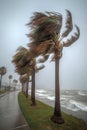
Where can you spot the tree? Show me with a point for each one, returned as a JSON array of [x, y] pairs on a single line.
[[22, 61], [21, 81], [47, 38], [2, 72], [34, 70], [15, 83], [25, 63], [10, 77], [24, 79], [22, 65]]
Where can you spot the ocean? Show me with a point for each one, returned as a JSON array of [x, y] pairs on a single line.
[[73, 102]]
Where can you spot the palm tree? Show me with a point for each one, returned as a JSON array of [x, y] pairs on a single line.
[[15, 83], [25, 63], [21, 81], [10, 77], [47, 38], [22, 65], [2, 72], [24, 79], [34, 70]]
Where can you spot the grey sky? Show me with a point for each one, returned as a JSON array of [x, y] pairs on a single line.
[[14, 14]]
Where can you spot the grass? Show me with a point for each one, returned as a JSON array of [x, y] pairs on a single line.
[[38, 117], [2, 91]]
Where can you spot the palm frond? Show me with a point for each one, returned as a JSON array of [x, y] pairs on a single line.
[[68, 24], [73, 38], [43, 59], [21, 48], [23, 70], [17, 57], [24, 78], [3, 70], [49, 49], [52, 57], [45, 30], [44, 25], [45, 34], [39, 68], [37, 19]]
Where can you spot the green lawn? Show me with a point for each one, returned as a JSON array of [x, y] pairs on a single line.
[[38, 117], [2, 91]]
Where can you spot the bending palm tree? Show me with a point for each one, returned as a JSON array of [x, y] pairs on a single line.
[[47, 38], [25, 63], [23, 67], [24, 79], [2, 72], [15, 83], [10, 77]]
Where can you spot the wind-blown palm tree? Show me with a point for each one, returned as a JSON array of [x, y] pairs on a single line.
[[25, 79], [10, 77], [25, 63], [2, 72], [15, 81], [21, 81], [35, 69], [47, 38], [22, 65]]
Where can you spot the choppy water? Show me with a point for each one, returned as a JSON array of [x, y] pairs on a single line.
[[72, 100]]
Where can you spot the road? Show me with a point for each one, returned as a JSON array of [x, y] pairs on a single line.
[[11, 117]]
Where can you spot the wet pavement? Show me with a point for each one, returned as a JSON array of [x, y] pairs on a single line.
[[11, 117]]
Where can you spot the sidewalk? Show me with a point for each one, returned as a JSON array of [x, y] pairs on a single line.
[[11, 117]]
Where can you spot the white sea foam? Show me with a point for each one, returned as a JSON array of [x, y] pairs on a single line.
[[68, 101], [51, 98], [82, 93], [70, 107], [40, 91], [74, 105], [66, 96], [79, 105], [41, 95], [63, 98]]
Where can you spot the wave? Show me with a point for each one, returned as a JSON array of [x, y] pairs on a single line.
[[82, 93], [66, 96], [40, 91], [79, 105], [41, 95], [68, 99], [51, 98], [44, 94], [74, 105], [70, 107]]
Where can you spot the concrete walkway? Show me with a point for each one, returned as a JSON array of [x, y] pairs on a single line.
[[11, 117]]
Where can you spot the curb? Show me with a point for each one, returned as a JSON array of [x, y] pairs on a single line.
[[1, 95]]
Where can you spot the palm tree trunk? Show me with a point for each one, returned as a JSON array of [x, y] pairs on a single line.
[[1, 82], [57, 110], [27, 89], [33, 89], [9, 84], [22, 86]]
